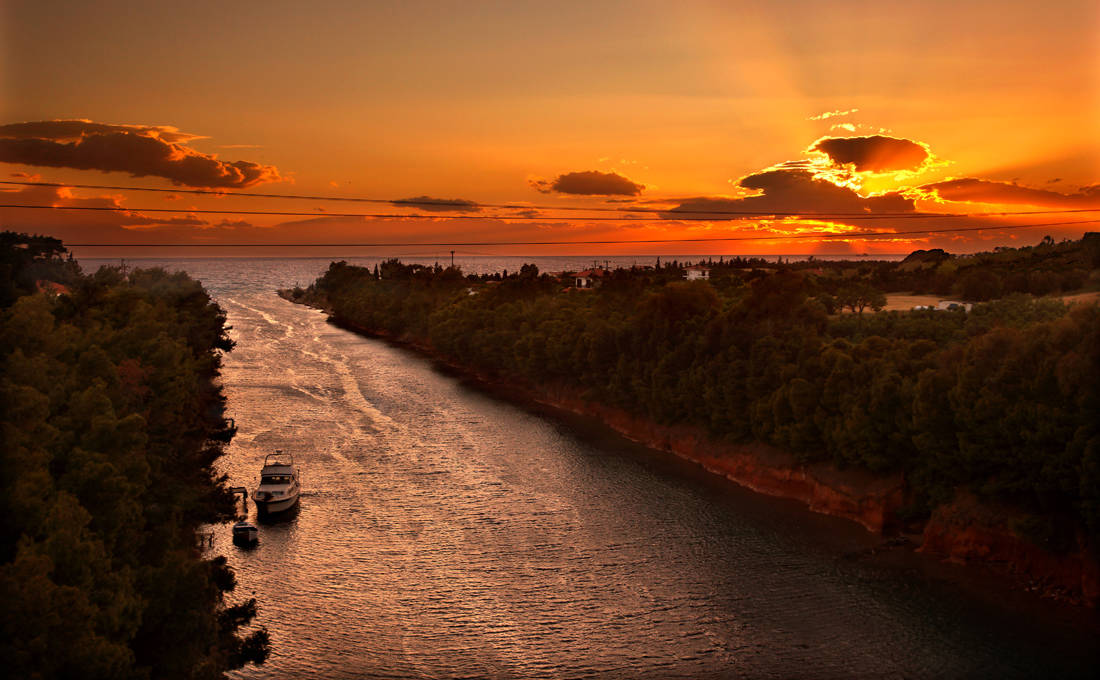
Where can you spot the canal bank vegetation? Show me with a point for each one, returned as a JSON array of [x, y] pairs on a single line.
[[999, 403], [112, 420]]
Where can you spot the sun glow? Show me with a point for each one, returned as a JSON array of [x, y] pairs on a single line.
[[749, 107]]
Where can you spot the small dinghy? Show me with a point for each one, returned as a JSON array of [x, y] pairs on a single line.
[[245, 533]]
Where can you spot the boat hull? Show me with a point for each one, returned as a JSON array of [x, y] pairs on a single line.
[[275, 506], [245, 534]]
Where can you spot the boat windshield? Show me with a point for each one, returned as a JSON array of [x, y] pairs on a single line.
[[275, 479]]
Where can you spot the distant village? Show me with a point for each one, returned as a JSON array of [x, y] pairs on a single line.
[[705, 271]]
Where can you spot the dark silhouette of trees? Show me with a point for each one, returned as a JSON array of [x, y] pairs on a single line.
[[111, 420], [1002, 399], [860, 296], [981, 285]]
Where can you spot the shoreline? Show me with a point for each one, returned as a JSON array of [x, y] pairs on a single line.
[[963, 532]]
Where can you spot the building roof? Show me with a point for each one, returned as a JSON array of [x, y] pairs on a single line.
[[52, 287]]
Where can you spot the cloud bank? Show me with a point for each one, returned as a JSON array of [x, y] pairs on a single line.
[[430, 204], [75, 129], [140, 150], [590, 183], [789, 190], [973, 190], [876, 153], [109, 220]]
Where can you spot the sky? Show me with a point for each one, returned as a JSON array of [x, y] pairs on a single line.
[[768, 123]]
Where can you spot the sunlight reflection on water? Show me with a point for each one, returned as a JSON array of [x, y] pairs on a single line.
[[444, 533]]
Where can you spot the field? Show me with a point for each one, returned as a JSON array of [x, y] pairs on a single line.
[[903, 303]]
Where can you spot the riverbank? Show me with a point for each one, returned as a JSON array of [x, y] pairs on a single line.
[[961, 534], [114, 417]]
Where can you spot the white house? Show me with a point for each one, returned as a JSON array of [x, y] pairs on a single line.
[[589, 278], [946, 305], [696, 272]]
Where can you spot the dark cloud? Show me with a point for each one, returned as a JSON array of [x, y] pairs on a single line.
[[973, 190], [876, 153], [73, 130], [140, 151], [789, 191], [590, 183], [438, 204]]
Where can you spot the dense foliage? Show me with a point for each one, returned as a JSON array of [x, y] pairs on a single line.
[[111, 423], [1003, 400], [1042, 269]]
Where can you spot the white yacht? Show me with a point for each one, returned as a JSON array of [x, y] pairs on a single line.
[[279, 487]]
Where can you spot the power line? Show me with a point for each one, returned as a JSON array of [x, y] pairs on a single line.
[[709, 239], [279, 213], [471, 205]]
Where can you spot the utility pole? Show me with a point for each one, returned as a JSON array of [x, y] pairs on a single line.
[[452, 259]]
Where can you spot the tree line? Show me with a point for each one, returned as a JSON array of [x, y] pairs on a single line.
[[1002, 400], [112, 420]]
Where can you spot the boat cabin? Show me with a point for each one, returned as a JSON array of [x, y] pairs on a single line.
[[276, 477], [279, 484]]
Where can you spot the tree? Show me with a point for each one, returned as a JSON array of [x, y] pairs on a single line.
[[860, 296], [1001, 400], [979, 285], [112, 419]]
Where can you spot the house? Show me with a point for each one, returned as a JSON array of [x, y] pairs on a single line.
[[51, 287], [590, 278], [944, 306], [950, 305], [697, 272]]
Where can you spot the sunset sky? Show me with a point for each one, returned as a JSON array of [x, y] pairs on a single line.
[[848, 107]]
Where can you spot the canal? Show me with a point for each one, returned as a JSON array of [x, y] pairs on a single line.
[[444, 532]]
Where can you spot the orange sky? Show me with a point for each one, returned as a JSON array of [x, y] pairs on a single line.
[[728, 106]]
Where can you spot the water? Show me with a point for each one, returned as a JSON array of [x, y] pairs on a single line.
[[286, 272], [446, 533]]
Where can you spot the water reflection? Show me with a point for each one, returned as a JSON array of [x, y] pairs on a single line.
[[444, 533], [287, 516]]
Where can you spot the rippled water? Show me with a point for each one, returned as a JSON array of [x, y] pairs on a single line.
[[446, 533]]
